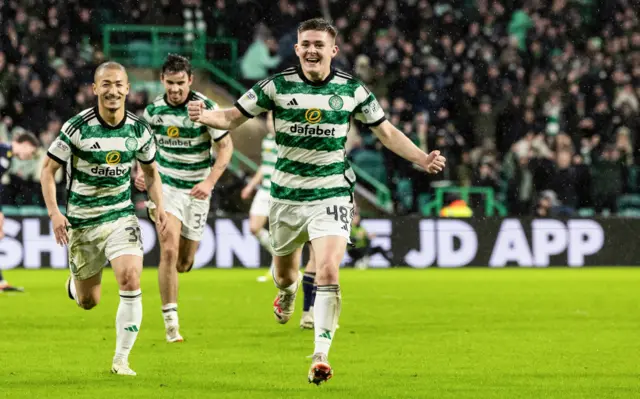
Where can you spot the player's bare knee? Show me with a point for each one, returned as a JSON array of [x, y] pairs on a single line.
[[87, 302], [185, 265], [285, 276], [327, 273], [129, 280], [169, 253]]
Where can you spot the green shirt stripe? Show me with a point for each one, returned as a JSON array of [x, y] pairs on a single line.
[[304, 195], [184, 132], [284, 86], [167, 163], [263, 100], [311, 143], [95, 201], [177, 183], [99, 132], [308, 169], [109, 216], [165, 110]]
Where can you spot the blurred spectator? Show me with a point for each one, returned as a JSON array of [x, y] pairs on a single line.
[[257, 63]]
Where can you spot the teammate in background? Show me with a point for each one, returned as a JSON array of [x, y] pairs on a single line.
[[362, 250], [259, 211], [98, 147], [23, 146], [312, 186], [184, 162]]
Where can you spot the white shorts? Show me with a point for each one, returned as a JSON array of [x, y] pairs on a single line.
[[260, 204], [291, 226], [192, 212], [90, 248]]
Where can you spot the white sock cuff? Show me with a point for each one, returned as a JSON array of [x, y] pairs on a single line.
[[170, 306], [131, 295]]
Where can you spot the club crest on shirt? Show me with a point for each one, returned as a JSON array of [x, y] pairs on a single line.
[[336, 103]]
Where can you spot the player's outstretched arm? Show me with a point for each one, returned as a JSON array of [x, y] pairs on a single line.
[[253, 183], [222, 119], [400, 144], [48, 183], [154, 188], [224, 152]]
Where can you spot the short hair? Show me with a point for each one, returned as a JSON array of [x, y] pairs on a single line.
[[108, 65], [176, 63], [27, 137], [319, 24]]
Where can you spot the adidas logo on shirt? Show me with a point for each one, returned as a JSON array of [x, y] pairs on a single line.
[[96, 146], [292, 102]]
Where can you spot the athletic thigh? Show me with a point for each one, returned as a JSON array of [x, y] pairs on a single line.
[[87, 250], [288, 227], [196, 213]]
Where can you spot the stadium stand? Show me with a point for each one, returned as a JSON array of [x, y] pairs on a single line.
[[536, 100]]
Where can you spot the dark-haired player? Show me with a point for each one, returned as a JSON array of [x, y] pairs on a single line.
[[184, 161], [312, 186]]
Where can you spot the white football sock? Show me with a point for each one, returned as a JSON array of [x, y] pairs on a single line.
[[265, 240], [170, 314], [326, 312], [72, 289], [128, 320]]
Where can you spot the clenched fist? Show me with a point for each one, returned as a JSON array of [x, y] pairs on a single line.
[[195, 110]]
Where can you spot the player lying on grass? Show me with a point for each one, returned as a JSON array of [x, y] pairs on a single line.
[[184, 162], [23, 146], [98, 148], [361, 250], [312, 186]]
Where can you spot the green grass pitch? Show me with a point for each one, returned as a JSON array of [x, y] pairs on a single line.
[[467, 333]]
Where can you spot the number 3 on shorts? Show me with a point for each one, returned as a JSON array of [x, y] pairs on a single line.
[[135, 234], [200, 218]]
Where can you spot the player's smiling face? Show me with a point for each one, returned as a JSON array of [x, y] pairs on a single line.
[[316, 49], [177, 86], [111, 87]]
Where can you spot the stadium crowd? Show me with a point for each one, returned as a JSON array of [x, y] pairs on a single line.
[[536, 99]]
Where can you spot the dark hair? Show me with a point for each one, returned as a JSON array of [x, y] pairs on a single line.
[[27, 137], [320, 24], [176, 63]]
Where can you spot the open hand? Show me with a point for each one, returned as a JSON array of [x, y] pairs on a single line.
[[202, 190]]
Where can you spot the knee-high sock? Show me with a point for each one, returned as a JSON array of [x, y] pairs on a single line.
[[307, 289], [326, 313], [128, 320]]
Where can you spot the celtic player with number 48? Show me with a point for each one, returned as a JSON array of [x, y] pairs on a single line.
[[312, 186], [184, 163], [98, 147]]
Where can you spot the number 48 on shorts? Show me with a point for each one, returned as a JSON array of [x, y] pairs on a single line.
[[341, 214]]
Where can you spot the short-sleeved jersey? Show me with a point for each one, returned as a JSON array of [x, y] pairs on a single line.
[[184, 147], [269, 158], [311, 122], [98, 159]]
